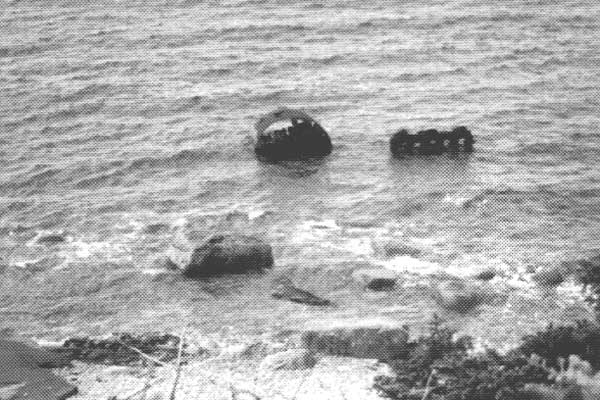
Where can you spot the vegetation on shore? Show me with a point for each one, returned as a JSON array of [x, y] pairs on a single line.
[[555, 363]]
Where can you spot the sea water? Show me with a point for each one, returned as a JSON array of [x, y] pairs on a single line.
[[127, 127]]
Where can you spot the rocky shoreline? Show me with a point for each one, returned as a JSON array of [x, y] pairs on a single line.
[[330, 360], [338, 358]]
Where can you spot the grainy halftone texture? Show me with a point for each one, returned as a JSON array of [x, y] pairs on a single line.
[[126, 141]]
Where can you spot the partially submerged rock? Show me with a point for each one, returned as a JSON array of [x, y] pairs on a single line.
[[463, 296], [23, 375], [291, 360], [360, 339], [375, 278], [431, 141], [303, 139], [284, 289], [229, 254]]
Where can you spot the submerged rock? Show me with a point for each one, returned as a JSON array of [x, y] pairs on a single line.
[[549, 277], [51, 239], [229, 254], [285, 290], [303, 139], [291, 360], [375, 278], [486, 274], [395, 248], [154, 229], [463, 296], [360, 339]]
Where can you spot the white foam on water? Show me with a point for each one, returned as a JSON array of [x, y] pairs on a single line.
[[356, 246], [26, 263], [180, 222], [155, 271], [111, 250], [456, 200], [314, 231], [254, 214], [410, 265]]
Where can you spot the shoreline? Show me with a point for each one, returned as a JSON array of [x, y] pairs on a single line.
[[266, 367]]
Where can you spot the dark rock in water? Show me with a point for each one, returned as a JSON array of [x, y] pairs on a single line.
[[285, 290], [549, 277], [375, 278], [229, 254], [23, 377], [362, 339], [432, 141], [51, 239], [304, 139], [486, 275]]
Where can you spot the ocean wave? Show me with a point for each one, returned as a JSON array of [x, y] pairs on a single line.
[[66, 141], [112, 64], [85, 93], [109, 179], [314, 6], [257, 29], [551, 63], [73, 111], [538, 200], [22, 50], [275, 95], [543, 148], [418, 76], [384, 22], [216, 72], [32, 180], [184, 158], [49, 131], [474, 19], [468, 200], [533, 50], [327, 60]]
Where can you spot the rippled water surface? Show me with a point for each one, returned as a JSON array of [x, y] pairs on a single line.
[[127, 126]]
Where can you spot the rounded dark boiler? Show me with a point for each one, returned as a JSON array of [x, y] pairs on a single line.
[[432, 141], [303, 139]]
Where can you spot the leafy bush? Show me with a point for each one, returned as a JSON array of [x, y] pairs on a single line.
[[582, 339], [588, 272], [442, 366]]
